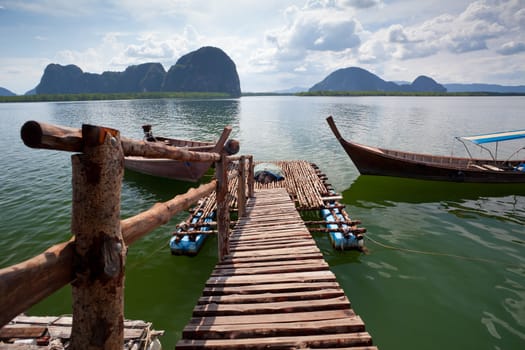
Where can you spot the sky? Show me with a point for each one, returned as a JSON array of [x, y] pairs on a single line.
[[275, 44]]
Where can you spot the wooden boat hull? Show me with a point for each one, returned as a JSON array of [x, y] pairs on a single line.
[[384, 162], [168, 168], [181, 170]]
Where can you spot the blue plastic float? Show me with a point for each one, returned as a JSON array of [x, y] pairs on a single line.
[[341, 240], [190, 244]]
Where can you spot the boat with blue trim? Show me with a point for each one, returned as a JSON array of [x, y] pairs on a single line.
[[385, 162]]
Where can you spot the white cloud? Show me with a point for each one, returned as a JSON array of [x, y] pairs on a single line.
[[512, 48], [322, 29], [315, 36], [472, 30], [117, 50], [20, 74], [372, 51], [396, 34], [276, 44]]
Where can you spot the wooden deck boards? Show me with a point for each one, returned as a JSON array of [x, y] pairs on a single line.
[[52, 332], [274, 290]]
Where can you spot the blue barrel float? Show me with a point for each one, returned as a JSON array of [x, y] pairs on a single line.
[[190, 244], [343, 236]]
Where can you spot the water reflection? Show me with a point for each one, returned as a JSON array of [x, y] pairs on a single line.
[[140, 191], [382, 190], [212, 115], [180, 118]]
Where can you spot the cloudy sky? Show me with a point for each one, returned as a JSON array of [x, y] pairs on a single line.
[[275, 44]]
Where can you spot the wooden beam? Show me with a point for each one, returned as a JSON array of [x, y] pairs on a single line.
[[359, 339], [139, 225], [48, 136], [25, 284], [273, 329]]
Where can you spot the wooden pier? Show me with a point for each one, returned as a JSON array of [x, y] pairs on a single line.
[[273, 290], [305, 184], [270, 289]]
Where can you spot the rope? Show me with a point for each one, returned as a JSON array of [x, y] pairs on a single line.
[[154, 252], [462, 257]]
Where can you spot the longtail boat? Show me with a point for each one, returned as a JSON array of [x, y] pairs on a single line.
[[385, 162], [180, 170]]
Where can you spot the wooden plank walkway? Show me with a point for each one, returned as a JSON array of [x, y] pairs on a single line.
[[274, 290]]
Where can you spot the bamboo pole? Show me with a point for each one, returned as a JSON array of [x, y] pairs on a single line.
[[100, 252], [354, 230], [323, 222]]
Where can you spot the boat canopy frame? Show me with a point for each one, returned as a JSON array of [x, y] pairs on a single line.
[[480, 140]]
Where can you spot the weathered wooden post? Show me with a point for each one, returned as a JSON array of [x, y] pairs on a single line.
[[223, 210], [241, 188], [98, 301], [251, 179]]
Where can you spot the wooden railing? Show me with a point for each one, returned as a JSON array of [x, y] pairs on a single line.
[[93, 260]]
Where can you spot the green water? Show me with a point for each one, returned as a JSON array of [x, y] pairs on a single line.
[[446, 262]]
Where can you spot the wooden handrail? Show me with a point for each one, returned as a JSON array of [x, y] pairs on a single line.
[[25, 284], [137, 226], [60, 138]]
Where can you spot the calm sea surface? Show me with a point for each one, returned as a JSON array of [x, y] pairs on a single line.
[[446, 267]]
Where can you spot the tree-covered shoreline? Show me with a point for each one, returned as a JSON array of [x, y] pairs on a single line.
[[402, 93], [217, 95], [112, 96]]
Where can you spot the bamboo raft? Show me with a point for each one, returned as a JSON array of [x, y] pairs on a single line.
[[50, 332], [303, 181], [274, 289]]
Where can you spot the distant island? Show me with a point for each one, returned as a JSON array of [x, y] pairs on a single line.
[[502, 89], [358, 79], [5, 92], [355, 80], [210, 73], [206, 70]]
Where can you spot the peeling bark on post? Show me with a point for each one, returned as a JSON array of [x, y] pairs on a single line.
[[223, 210], [98, 300]]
